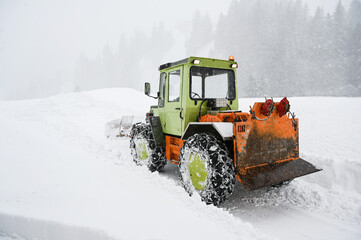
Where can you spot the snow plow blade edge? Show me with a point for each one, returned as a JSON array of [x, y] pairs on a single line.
[[119, 127], [273, 174]]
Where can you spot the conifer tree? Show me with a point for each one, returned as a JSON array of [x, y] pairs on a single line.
[[354, 47]]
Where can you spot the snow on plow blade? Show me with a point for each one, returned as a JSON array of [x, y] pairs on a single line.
[[119, 127], [273, 174]]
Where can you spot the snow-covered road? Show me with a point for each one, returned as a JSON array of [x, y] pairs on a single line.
[[61, 179]]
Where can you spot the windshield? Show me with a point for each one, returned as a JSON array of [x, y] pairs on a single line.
[[209, 83]]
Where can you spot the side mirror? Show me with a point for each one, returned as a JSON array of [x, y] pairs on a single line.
[[147, 88]]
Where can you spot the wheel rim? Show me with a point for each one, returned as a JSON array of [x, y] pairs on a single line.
[[141, 148], [197, 171]]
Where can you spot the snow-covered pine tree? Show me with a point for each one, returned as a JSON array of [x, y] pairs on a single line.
[[337, 50], [354, 47]]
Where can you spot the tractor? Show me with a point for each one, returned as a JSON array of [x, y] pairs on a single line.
[[197, 125]]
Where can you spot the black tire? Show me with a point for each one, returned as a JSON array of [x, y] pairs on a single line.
[[141, 141], [220, 179]]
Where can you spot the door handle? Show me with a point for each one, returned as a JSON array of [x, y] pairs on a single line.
[[180, 113]]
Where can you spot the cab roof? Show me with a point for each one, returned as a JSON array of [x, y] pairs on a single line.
[[191, 59]]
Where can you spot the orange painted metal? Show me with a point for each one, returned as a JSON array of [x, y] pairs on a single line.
[[226, 117], [172, 149], [259, 141], [264, 140]]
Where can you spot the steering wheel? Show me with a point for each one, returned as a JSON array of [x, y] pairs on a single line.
[[194, 94]]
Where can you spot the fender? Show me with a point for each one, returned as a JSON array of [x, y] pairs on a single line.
[[220, 129], [157, 130]]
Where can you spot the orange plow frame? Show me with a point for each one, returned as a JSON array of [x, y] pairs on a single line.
[[266, 148]]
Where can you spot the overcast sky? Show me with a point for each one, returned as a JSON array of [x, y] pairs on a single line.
[[40, 40]]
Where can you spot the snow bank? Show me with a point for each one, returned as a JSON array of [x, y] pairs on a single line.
[[60, 177], [57, 169], [31, 228]]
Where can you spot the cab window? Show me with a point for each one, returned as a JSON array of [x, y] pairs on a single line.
[[208, 83], [174, 86], [161, 90]]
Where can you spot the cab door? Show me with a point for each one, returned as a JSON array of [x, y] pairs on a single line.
[[173, 108]]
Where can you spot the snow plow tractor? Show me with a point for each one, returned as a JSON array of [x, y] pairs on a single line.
[[197, 125]]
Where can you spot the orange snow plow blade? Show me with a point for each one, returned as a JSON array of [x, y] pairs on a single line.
[[267, 150]]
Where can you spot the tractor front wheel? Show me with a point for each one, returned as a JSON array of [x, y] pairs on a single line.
[[206, 168], [144, 149]]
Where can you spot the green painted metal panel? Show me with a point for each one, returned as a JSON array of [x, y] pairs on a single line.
[[142, 149], [197, 171], [172, 113], [173, 101]]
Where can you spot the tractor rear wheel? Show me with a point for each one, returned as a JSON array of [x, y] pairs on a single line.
[[206, 168], [144, 149]]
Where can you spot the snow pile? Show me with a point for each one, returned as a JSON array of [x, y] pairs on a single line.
[[58, 169], [60, 178]]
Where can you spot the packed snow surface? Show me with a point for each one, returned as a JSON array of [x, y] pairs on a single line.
[[60, 178]]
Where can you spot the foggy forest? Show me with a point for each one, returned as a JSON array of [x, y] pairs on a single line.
[[282, 48]]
